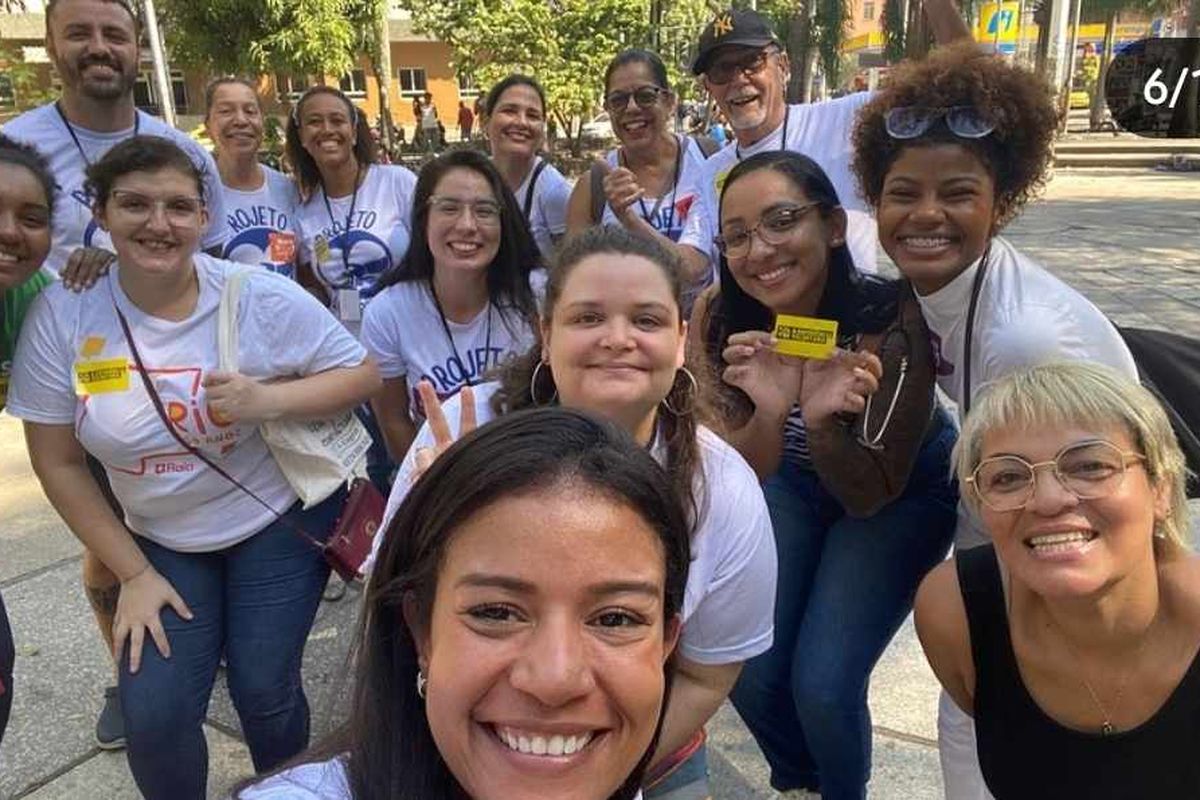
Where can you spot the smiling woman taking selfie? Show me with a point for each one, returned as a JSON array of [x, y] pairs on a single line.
[[518, 627], [1072, 639]]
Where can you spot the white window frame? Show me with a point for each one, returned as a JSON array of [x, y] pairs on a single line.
[[285, 86], [177, 79], [413, 72], [470, 91], [356, 91], [8, 97]]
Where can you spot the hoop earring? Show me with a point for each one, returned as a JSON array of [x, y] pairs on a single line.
[[666, 401], [421, 682], [537, 370]]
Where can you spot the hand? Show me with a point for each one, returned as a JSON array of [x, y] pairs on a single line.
[[235, 397], [772, 380], [138, 611], [436, 417], [621, 189], [839, 385], [84, 267]]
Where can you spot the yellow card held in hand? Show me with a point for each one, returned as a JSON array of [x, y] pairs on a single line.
[[807, 337]]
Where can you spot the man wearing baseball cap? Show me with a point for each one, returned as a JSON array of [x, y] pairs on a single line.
[[745, 69]]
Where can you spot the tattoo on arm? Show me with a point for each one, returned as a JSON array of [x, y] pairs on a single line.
[[104, 598]]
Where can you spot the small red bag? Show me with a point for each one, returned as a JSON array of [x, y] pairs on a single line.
[[355, 530]]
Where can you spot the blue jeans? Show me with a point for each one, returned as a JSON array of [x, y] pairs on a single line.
[[254, 601], [845, 586]]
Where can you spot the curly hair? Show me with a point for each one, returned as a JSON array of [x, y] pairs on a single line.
[[1017, 153]]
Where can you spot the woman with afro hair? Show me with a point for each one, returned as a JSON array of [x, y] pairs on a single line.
[[947, 155]]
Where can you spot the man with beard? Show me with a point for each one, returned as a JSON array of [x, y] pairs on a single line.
[[94, 47], [745, 70]]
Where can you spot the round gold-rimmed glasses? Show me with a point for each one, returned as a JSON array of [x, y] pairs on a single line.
[[1089, 470]]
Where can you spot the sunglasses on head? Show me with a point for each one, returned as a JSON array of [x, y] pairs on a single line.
[[909, 122], [644, 96]]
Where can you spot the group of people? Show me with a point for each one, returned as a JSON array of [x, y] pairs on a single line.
[[618, 494]]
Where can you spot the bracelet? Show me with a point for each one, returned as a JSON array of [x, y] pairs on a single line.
[[137, 574]]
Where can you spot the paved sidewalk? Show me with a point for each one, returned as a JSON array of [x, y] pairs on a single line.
[[1130, 241]]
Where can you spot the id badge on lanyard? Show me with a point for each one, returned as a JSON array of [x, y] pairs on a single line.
[[347, 304]]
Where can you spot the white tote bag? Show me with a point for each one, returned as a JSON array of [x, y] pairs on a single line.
[[316, 456]]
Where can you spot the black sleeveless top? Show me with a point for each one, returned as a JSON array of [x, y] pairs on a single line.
[[1026, 755]]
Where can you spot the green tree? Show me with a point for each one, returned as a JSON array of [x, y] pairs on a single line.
[[566, 44], [26, 86], [305, 37]]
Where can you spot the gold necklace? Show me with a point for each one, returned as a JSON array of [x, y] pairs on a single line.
[[1106, 726]]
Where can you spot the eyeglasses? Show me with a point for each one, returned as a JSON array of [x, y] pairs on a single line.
[[179, 210], [485, 212], [644, 96], [774, 228], [1088, 470], [909, 122], [722, 72]]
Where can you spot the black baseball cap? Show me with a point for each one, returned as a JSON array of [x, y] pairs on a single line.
[[734, 26]]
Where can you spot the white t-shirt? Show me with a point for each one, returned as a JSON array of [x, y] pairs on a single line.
[[547, 204], [820, 131], [729, 603], [403, 332], [669, 214], [74, 367], [73, 225], [262, 224], [376, 238], [1024, 316], [323, 780]]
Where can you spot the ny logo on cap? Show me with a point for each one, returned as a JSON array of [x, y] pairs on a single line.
[[722, 25]]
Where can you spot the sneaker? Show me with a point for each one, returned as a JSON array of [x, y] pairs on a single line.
[[110, 727]]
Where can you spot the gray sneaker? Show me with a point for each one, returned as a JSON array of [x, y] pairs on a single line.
[[110, 727]]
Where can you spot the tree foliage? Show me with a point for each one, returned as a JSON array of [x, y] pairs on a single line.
[[27, 87], [304, 37], [565, 44]]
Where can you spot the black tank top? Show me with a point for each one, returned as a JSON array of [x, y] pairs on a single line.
[[1026, 755]]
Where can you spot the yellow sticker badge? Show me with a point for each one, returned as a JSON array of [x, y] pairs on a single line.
[[807, 337], [103, 376], [92, 346], [321, 249]]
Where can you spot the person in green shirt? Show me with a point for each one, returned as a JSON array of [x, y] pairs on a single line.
[[26, 198]]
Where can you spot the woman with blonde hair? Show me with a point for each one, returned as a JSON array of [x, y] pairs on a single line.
[[1072, 639]]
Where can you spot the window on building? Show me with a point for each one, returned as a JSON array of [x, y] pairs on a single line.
[[145, 96], [291, 86], [8, 94], [466, 87], [868, 10], [412, 81], [354, 83]]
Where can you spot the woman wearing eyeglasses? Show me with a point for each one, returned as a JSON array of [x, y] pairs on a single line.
[[461, 302], [1072, 638], [650, 183], [128, 373], [514, 123], [853, 450], [948, 154]]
